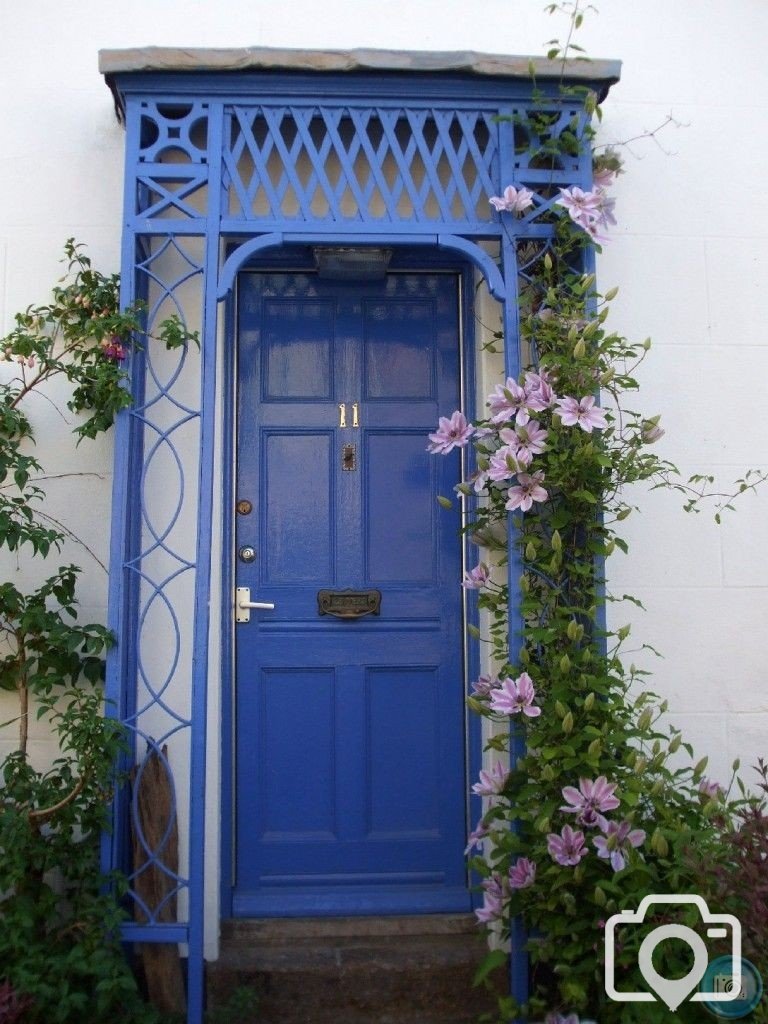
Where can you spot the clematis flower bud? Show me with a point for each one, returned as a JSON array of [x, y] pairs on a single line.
[[651, 431]]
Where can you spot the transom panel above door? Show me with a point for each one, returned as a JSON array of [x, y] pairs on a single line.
[[349, 707]]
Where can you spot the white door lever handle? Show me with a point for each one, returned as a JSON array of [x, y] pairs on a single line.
[[244, 604]]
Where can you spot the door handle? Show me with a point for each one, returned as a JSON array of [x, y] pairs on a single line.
[[244, 604]]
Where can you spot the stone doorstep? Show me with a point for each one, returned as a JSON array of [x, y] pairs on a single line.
[[354, 970], [288, 929]]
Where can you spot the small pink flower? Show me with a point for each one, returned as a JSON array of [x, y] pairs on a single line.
[[514, 200], [113, 349], [590, 800], [539, 389], [558, 1018], [710, 789], [582, 412], [603, 178], [508, 401], [479, 480], [567, 848], [523, 874], [475, 838], [581, 206], [527, 490], [476, 578], [504, 463], [483, 685], [590, 210], [451, 433], [530, 439], [493, 782], [514, 696], [623, 837], [493, 899]]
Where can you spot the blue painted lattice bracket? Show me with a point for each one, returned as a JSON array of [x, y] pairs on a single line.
[[254, 162]]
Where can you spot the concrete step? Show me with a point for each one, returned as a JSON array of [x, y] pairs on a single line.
[[353, 970]]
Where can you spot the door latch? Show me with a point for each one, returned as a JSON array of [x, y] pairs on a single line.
[[244, 604]]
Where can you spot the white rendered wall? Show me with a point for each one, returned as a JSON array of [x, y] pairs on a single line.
[[690, 254]]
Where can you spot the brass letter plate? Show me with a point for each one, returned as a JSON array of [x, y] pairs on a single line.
[[349, 604]]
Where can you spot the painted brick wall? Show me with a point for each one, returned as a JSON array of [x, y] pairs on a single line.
[[690, 254]]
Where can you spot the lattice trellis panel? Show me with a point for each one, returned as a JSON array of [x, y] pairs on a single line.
[[336, 164]]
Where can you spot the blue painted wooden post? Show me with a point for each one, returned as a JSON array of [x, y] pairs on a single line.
[[512, 366]]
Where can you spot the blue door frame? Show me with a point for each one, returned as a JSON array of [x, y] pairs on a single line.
[[404, 260]]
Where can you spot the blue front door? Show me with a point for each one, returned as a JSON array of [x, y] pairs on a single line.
[[350, 770]]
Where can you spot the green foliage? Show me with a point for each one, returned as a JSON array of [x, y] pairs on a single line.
[[59, 942], [60, 950], [241, 1008], [45, 648]]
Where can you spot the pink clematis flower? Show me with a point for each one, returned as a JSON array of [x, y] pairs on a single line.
[[539, 389], [493, 898], [492, 783], [508, 401], [475, 838], [567, 848], [617, 842], [504, 463], [451, 433], [710, 789], [523, 874], [605, 209], [558, 1018], [581, 412], [476, 578], [603, 178], [590, 210], [514, 200], [590, 800], [582, 206], [483, 685], [478, 480], [530, 440], [514, 696], [527, 490]]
